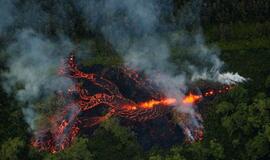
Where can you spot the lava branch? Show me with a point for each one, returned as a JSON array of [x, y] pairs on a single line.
[[65, 126]]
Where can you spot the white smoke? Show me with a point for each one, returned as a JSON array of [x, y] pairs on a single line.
[[230, 78], [6, 14], [171, 54], [137, 31], [167, 50], [33, 58], [30, 116], [32, 70]]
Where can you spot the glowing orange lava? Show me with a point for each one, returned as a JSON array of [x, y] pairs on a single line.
[[65, 125], [150, 104], [191, 98], [188, 99]]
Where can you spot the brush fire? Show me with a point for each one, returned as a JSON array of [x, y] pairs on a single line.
[[125, 93]]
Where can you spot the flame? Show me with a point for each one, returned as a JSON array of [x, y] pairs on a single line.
[[65, 125], [191, 98], [150, 104], [188, 99]]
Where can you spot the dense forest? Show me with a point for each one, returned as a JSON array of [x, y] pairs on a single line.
[[236, 124]]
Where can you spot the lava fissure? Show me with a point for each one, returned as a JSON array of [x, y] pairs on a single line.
[[65, 126]]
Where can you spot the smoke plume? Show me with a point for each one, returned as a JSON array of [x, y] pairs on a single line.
[[6, 12], [147, 41], [32, 69], [171, 51]]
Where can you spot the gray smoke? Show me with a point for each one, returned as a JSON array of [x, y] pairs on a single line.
[[33, 58], [33, 62], [6, 14], [121, 21], [170, 51]]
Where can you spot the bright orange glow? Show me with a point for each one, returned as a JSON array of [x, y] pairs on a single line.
[[65, 125], [191, 98], [150, 104], [188, 99]]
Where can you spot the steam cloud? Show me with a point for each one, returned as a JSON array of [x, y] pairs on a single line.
[[32, 64], [138, 32], [6, 8], [142, 32]]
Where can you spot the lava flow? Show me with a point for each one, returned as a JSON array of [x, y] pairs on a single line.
[[66, 125]]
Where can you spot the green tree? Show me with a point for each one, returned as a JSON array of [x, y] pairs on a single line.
[[78, 151], [12, 149], [112, 141], [267, 85], [240, 125]]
